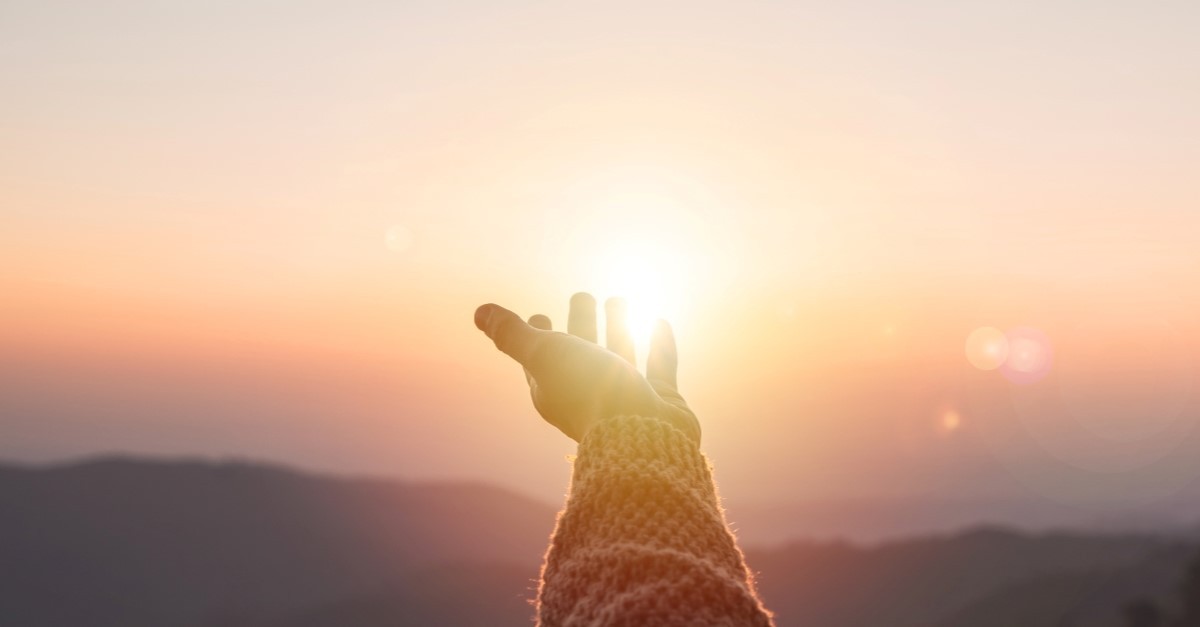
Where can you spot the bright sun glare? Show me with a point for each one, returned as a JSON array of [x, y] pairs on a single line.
[[648, 235], [652, 281]]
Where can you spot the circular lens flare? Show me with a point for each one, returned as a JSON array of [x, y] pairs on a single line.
[[987, 348], [1029, 356], [951, 421]]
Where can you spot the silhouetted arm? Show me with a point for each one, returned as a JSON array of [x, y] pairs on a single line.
[[643, 539]]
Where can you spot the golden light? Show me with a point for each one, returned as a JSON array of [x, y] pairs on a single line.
[[951, 421], [648, 233], [651, 279], [987, 348], [398, 238]]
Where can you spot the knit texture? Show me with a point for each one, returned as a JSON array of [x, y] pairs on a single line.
[[642, 539]]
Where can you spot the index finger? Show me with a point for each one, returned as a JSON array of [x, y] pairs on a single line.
[[512, 335]]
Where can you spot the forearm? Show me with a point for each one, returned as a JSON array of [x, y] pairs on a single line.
[[643, 539]]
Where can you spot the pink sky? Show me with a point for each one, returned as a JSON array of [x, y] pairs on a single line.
[[258, 230]]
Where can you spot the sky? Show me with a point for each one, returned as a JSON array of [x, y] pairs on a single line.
[[260, 229]]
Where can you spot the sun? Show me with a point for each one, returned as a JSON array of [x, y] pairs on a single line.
[[651, 278], [651, 236]]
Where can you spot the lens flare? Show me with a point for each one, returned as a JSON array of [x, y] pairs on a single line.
[[951, 421], [987, 348], [1029, 356], [654, 280]]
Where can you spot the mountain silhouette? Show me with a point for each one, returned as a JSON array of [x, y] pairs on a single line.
[[191, 543], [128, 542], [943, 580]]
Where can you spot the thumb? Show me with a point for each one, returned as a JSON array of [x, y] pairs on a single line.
[[509, 332]]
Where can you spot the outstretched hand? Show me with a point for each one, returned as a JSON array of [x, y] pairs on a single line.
[[575, 383]]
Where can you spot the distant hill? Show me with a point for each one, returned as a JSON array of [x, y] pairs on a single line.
[[868, 520], [190, 544], [126, 542], [1085, 597], [950, 580]]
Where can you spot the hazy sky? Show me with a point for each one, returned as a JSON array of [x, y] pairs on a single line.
[[260, 229]]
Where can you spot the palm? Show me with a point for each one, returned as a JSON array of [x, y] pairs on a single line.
[[575, 383]]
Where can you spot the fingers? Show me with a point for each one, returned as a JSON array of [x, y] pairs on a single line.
[[511, 334], [537, 321], [663, 361], [616, 332], [581, 322]]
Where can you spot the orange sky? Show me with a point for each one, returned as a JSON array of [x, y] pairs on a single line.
[[260, 230]]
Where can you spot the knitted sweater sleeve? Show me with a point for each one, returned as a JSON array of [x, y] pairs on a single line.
[[643, 539]]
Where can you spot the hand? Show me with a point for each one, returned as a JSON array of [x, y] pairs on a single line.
[[575, 383]]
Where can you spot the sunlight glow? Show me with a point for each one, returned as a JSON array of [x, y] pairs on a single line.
[[651, 280], [648, 232], [951, 421], [987, 348], [1023, 354], [398, 238], [1029, 355]]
